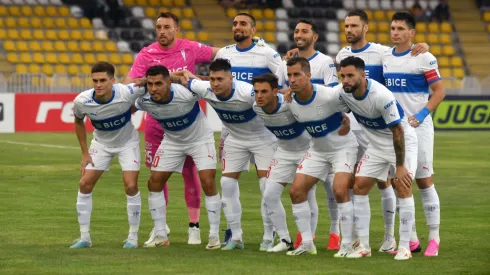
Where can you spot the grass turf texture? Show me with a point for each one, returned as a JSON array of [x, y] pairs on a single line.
[[39, 223]]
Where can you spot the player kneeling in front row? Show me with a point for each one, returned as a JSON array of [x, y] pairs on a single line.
[[392, 149], [108, 106], [187, 133]]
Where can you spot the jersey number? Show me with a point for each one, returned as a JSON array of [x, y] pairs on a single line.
[[156, 160]]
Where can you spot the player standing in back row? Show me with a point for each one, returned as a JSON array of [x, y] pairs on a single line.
[[108, 106], [410, 78]]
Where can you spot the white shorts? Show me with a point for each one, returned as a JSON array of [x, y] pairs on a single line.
[[284, 164], [320, 164], [381, 165], [425, 157], [237, 154], [171, 157], [128, 156], [362, 141]]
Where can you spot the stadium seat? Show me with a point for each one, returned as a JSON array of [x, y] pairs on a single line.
[[72, 23], [281, 14], [48, 23], [179, 3], [102, 57], [421, 27], [13, 34], [270, 37], [332, 37], [383, 38], [73, 69], [257, 14], [349, 4], [138, 12], [446, 27], [47, 46], [270, 26], [34, 69], [203, 36], [35, 46], [448, 50], [51, 11], [64, 11], [436, 50], [72, 46], [85, 46], [39, 11], [77, 58], [231, 12], [115, 58], [433, 38], [190, 35], [151, 12], [458, 73], [14, 10], [89, 58], [98, 46], [374, 4], [3, 34], [51, 58], [50, 34], [433, 27], [38, 58], [23, 22], [123, 70], [21, 46], [13, 58], [88, 35], [110, 46], [259, 26], [380, 15], [188, 13], [127, 58], [25, 58], [35, 22], [369, 36], [10, 22], [21, 69], [486, 16], [445, 38], [186, 24], [59, 46], [361, 4], [60, 69], [419, 38], [332, 26], [457, 62], [177, 12], [3, 10], [47, 69], [384, 27], [443, 62], [64, 35]]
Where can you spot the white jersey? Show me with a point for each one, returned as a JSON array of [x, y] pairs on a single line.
[[376, 112], [181, 117], [321, 118], [250, 62], [236, 112], [322, 70], [112, 119], [409, 78], [290, 133]]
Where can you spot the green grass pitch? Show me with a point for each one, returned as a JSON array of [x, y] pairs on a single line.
[[38, 219]]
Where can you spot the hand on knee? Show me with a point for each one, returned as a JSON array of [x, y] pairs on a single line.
[[403, 191]]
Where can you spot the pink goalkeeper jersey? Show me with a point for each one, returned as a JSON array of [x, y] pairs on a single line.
[[184, 55]]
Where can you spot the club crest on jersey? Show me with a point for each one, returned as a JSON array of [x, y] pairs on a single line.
[[183, 54], [319, 110]]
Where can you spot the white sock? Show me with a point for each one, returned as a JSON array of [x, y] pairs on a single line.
[[84, 209], [213, 206], [333, 209], [355, 236], [432, 211], [362, 218], [231, 206], [311, 197], [413, 233], [346, 210], [407, 214], [275, 209], [134, 214], [388, 205], [158, 211], [302, 216], [268, 226]]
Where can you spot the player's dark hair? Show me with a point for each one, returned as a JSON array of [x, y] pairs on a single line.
[[406, 17], [169, 15], [269, 78], [252, 19], [104, 67], [357, 62], [362, 14], [158, 70], [305, 64], [314, 27], [220, 64]]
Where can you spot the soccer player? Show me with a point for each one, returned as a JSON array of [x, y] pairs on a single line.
[[323, 72], [108, 107], [233, 102], [314, 106], [409, 78], [356, 27], [392, 149], [187, 133], [175, 54]]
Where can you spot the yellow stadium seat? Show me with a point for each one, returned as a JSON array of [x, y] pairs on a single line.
[[102, 57], [34, 69], [270, 26], [47, 46], [162, 9], [259, 34], [51, 58], [89, 58], [433, 38], [85, 23], [269, 14], [3, 34], [64, 11], [341, 26], [2, 23], [23, 22], [446, 27], [14, 10], [61, 22], [88, 35], [21, 46], [380, 15], [9, 46], [76, 81], [186, 24], [458, 73], [76, 58], [456, 61], [127, 58], [180, 3], [72, 23], [188, 13], [13, 34], [12, 58], [60, 69], [47, 69], [35, 22], [257, 14], [10, 22], [72, 46], [110, 46], [369, 36], [85, 46], [60, 46], [167, 3], [35, 46], [445, 38], [369, 14], [48, 23], [26, 34], [129, 2], [151, 12], [115, 59], [180, 35], [153, 2], [421, 27], [26, 10], [270, 37], [51, 35], [73, 69], [433, 27], [51, 11], [21, 69], [448, 50], [203, 36], [389, 14], [64, 35], [344, 40], [123, 70], [384, 26], [3, 11], [190, 35], [98, 46], [259, 26], [39, 11], [486, 16], [38, 58], [177, 12], [141, 3], [76, 35], [231, 12], [373, 26], [25, 58], [383, 38], [435, 50], [443, 61]]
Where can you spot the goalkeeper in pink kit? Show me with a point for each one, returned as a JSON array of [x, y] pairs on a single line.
[[177, 55]]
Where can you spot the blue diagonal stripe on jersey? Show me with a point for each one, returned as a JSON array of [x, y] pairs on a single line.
[[235, 117], [375, 72], [181, 122], [112, 123], [378, 123], [406, 83], [321, 128], [287, 132]]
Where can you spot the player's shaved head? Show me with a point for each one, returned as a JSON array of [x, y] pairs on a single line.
[[158, 70], [266, 78], [104, 67], [303, 62]]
